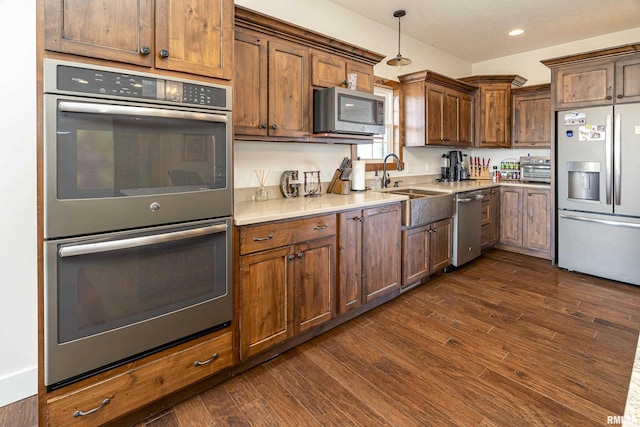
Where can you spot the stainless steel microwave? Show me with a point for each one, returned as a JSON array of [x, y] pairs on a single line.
[[345, 111]]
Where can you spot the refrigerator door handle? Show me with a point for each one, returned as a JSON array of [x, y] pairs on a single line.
[[601, 221], [607, 160], [617, 173]]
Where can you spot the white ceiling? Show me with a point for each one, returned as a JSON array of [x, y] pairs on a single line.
[[476, 30]]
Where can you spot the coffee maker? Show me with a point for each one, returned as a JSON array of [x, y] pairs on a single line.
[[456, 169]]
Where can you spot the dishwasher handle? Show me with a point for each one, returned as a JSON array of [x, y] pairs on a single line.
[[470, 199]]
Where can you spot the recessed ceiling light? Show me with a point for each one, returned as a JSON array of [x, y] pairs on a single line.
[[516, 32]]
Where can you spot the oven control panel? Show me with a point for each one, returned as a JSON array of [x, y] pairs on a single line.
[[117, 84]]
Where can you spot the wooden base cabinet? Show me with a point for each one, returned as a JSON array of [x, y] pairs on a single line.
[[369, 255], [286, 281], [525, 219], [425, 250], [144, 32], [490, 223], [111, 397]]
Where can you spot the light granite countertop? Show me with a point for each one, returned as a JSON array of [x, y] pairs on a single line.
[[252, 212]]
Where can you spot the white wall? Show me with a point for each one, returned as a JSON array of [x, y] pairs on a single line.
[[528, 64], [18, 285]]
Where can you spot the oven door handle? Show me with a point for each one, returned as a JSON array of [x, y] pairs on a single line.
[[126, 110], [134, 242]]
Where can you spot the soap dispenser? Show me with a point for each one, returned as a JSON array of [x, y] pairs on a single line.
[[376, 182]]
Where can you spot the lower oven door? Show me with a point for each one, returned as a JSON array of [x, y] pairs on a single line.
[[113, 297]]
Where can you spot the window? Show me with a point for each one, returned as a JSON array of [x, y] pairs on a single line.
[[382, 144]]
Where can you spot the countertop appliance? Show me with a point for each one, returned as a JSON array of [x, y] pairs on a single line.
[[456, 169], [466, 227], [138, 199], [346, 111], [597, 191], [535, 169]]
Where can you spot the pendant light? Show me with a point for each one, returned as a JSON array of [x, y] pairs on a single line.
[[399, 61]]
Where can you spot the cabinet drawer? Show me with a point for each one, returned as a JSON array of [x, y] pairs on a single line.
[[121, 394], [254, 238]]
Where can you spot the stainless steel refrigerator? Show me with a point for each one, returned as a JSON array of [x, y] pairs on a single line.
[[598, 191]]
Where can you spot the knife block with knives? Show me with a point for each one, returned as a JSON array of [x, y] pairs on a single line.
[[341, 183]]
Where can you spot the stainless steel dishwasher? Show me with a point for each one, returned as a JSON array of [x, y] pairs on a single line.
[[466, 227]]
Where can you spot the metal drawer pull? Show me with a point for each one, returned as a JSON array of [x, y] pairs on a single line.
[[206, 362], [320, 227], [262, 239], [82, 414]]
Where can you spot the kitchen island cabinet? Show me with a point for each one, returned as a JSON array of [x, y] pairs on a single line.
[[141, 32], [525, 218], [369, 255], [286, 280], [425, 250]]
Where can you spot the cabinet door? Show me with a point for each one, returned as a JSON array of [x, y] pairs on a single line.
[[451, 117], [288, 90], [250, 113], [364, 73], [381, 251], [511, 215], [440, 245], [117, 30], [314, 282], [465, 121], [349, 260], [628, 80], [495, 116], [537, 212], [435, 115], [532, 120], [415, 254], [265, 300], [195, 36], [328, 70], [494, 216], [585, 85]]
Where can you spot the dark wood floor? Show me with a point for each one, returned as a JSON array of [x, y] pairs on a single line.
[[507, 340]]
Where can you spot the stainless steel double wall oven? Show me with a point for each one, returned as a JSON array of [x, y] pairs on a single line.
[[137, 215]]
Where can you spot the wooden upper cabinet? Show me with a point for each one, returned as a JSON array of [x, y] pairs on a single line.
[[493, 109], [585, 85], [332, 70], [628, 80], [117, 30], [195, 36], [604, 77], [437, 110], [191, 37], [531, 116], [250, 107]]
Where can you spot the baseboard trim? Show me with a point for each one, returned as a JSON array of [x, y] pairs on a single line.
[[18, 386]]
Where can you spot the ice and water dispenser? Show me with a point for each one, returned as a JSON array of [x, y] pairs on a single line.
[[584, 180]]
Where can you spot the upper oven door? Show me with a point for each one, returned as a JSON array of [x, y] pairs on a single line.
[[112, 165]]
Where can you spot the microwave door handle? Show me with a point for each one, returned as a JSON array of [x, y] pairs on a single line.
[[134, 242], [126, 110]]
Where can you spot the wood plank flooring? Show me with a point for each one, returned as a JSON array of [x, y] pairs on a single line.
[[507, 340]]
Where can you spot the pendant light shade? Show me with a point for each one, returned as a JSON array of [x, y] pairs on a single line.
[[399, 61]]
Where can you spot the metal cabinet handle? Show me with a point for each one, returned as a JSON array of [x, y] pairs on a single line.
[[274, 126], [292, 257], [320, 227], [263, 125], [145, 50], [164, 53], [609, 97], [262, 239], [82, 414], [620, 96], [300, 255], [206, 362]]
